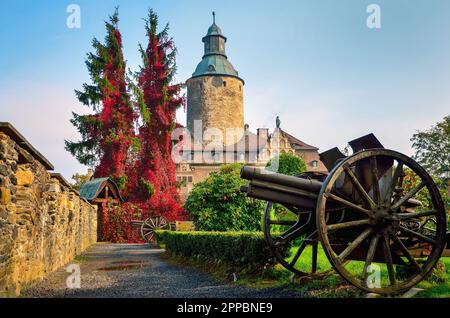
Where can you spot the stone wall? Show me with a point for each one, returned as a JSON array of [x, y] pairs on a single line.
[[43, 221], [219, 102]]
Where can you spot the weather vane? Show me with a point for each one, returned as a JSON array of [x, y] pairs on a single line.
[[214, 17]]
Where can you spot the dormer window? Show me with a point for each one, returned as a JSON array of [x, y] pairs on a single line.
[[211, 68]]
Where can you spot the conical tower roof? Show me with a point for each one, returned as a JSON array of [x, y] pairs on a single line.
[[215, 61]]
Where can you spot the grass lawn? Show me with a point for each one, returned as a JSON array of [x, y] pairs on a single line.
[[328, 286], [332, 285], [435, 290]]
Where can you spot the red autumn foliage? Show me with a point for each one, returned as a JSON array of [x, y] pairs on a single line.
[[117, 116], [118, 224], [108, 133], [145, 173], [152, 180]]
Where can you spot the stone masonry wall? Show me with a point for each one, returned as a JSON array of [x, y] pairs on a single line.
[[219, 102], [43, 223]]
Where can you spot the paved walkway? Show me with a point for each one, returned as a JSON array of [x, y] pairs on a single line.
[[135, 270]]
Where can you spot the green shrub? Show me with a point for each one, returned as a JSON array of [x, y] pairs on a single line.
[[287, 164], [242, 251], [217, 204], [291, 165]]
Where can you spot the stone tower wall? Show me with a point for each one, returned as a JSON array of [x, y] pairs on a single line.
[[218, 101], [43, 222]]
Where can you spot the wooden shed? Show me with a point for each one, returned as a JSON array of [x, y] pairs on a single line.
[[103, 192]]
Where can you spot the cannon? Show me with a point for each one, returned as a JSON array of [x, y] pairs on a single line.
[[377, 216]]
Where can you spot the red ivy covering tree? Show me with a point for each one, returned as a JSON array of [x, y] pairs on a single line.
[[108, 133], [141, 164], [152, 181]]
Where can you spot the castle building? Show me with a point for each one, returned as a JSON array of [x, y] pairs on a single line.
[[215, 106], [215, 92]]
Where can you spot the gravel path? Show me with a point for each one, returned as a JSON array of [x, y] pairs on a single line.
[[135, 270]]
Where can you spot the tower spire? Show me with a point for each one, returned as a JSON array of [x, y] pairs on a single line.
[[214, 60]]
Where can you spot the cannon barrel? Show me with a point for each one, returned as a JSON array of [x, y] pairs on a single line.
[[256, 174], [280, 188]]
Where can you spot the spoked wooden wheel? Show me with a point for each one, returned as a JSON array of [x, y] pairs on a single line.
[[151, 224], [396, 229], [293, 239]]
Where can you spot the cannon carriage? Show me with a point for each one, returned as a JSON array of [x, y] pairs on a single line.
[[378, 217]]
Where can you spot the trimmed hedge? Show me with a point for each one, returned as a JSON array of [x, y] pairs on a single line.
[[240, 250]]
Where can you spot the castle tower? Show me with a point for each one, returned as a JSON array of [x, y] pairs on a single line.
[[215, 91]]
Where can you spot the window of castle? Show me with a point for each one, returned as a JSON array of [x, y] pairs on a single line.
[[184, 179]]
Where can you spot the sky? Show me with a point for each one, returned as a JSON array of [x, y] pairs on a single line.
[[315, 63]]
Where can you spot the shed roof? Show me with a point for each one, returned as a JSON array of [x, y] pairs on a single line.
[[91, 189], [15, 135]]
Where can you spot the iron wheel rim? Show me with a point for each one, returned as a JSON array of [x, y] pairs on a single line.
[[275, 251], [441, 225]]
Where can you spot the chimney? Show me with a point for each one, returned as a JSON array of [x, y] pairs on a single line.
[[262, 140], [263, 133]]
